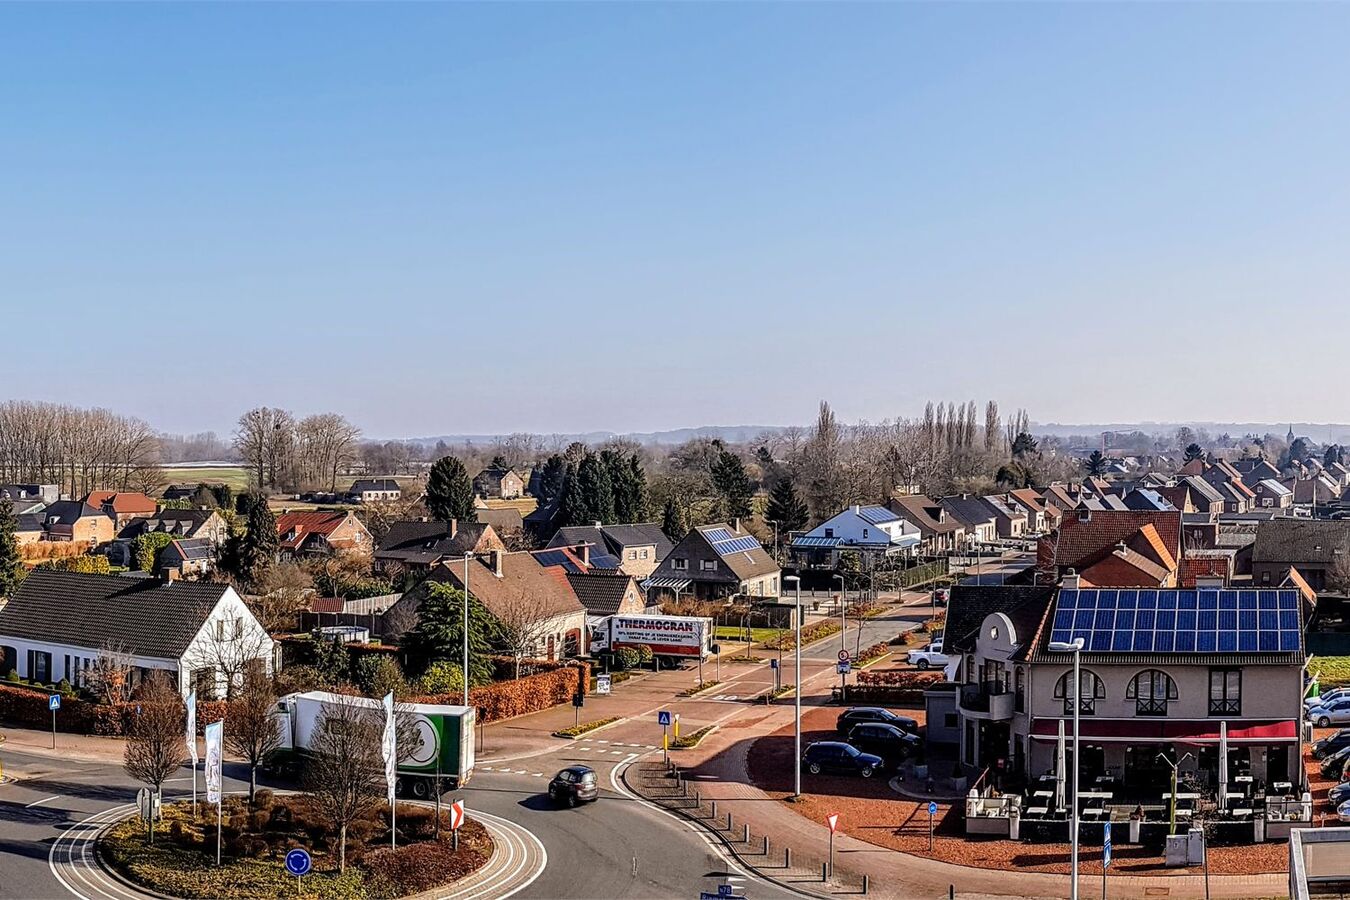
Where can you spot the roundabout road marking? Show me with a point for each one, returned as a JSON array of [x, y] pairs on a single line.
[[518, 859]]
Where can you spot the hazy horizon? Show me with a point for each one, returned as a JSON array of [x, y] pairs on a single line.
[[569, 218]]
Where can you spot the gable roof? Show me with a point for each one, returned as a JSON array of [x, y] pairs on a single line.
[[192, 549], [1028, 499], [1320, 542], [150, 617], [969, 510], [361, 485], [173, 521], [1085, 538], [602, 593], [1203, 488], [524, 585], [970, 604], [501, 518], [925, 513], [65, 512], [1271, 486], [615, 538], [425, 543], [306, 523], [123, 503], [1146, 498]]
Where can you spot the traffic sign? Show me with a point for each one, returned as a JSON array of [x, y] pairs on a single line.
[[773, 664], [1106, 846], [663, 717], [602, 684], [724, 890], [705, 895], [932, 807], [147, 804], [832, 820], [298, 862], [54, 702], [843, 656], [456, 815], [843, 668]]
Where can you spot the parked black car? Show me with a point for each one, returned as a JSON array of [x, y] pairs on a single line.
[[860, 714], [881, 739], [1333, 766], [841, 758], [573, 785], [1331, 743]]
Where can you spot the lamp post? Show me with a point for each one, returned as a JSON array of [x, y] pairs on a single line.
[[797, 697], [843, 622], [1075, 647], [1172, 827], [464, 671]]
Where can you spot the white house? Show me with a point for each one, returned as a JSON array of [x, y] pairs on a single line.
[[56, 625], [871, 530]]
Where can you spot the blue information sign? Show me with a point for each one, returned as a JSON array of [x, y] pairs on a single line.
[[773, 664], [54, 702], [663, 717], [298, 862], [1106, 845], [932, 807]]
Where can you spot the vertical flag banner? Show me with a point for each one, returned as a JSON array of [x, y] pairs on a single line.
[[214, 739], [387, 746], [191, 735]]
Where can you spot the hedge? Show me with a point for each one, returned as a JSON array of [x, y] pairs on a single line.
[[810, 634], [531, 693], [900, 678], [27, 707]]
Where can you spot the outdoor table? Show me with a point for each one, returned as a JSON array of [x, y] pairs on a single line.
[[1185, 813], [1234, 795], [1181, 796], [1242, 812], [1043, 793], [1093, 813], [1246, 779], [1037, 810], [1283, 787], [1095, 795]]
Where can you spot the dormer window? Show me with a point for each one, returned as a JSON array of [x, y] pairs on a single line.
[[866, 533], [829, 532]]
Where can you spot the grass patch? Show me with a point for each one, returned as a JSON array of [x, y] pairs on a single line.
[[735, 634], [744, 658], [774, 693], [585, 727], [181, 863], [692, 739], [699, 688], [1332, 671]]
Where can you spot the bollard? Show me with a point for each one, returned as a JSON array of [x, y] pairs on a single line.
[[866, 881], [745, 839], [713, 814], [728, 823], [766, 845], [787, 857], [824, 871]]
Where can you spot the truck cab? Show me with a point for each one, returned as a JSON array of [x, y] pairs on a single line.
[[930, 657]]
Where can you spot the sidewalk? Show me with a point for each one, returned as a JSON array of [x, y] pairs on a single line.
[[717, 770], [68, 746]]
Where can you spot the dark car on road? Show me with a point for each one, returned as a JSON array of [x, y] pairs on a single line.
[[840, 758], [1331, 743], [860, 714], [573, 785], [880, 739]]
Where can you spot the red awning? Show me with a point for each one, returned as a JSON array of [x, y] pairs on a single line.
[[1184, 731]]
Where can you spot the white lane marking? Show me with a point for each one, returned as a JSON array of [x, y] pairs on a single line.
[[42, 801]]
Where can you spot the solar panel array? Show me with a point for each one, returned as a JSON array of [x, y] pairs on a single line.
[[725, 541], [1179, 621]]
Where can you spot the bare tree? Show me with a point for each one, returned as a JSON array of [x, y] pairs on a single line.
[[110, 675], [326, 446], [283, 591], [253, 733], [526, 619], [345, 774], [155, 747], [228, 649]]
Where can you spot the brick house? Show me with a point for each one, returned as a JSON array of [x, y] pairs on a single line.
[[319, 531], [499, 483]]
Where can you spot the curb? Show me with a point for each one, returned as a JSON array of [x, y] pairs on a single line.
[[694, 746], [707, 686], [588, 732]]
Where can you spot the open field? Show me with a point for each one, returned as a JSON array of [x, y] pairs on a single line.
[[235, 476]]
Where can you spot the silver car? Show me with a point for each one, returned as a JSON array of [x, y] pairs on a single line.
[[1334, 712], [1326, 697]]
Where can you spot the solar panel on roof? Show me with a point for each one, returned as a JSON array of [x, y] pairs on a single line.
[[734, 544], [718, 534], [1179, 621]]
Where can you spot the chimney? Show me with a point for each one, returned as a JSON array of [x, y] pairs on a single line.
[[597, 526], [422, 519], [172, 574], [856, 509], [584, 551], [1209, 581], [495, 558], [1070, 580], [452, 528], [736, 525]]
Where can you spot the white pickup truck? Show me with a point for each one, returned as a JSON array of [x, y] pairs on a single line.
[[930, 657]]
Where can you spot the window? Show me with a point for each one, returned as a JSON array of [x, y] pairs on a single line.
[[220, 629], [708, 565], [1090, 690], [632, 554], [644, 552], [1019, 699], [829, 532], [970, 668], [865, 534], [1225, 692], [681, 564], [1150, 690]]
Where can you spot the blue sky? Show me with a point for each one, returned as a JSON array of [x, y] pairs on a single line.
[[478, 218]]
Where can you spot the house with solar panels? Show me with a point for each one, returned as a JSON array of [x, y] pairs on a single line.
[[1166, 675], [715, 562], [871, 531]]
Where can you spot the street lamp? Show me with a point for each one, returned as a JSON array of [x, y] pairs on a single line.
[[1075, 647], [1172, 827], [464, 671], [843, 623], [797, 697]]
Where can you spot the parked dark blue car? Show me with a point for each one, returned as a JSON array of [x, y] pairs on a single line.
[[841, 759]]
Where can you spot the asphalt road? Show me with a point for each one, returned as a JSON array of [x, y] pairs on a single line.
[[616, 847]]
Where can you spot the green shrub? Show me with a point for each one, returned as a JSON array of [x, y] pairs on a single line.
[[377, 675], [13, 675], [628, 658], [442, 677], [645, 654], [584, 727]]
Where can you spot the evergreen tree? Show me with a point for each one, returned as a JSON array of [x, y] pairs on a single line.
[[573, 508], [1334, 454], [1096, 463], [439, 633], [629, 484], [552, 478], [1194, 452], [673, 521], [12, 569], [732, 482], [499, 462], [258, 547], [450, 491], [786, 511], [1023, 445], [596, 487]]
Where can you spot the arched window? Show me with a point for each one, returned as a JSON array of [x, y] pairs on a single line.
[[1150, 690], [1090, 690]]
